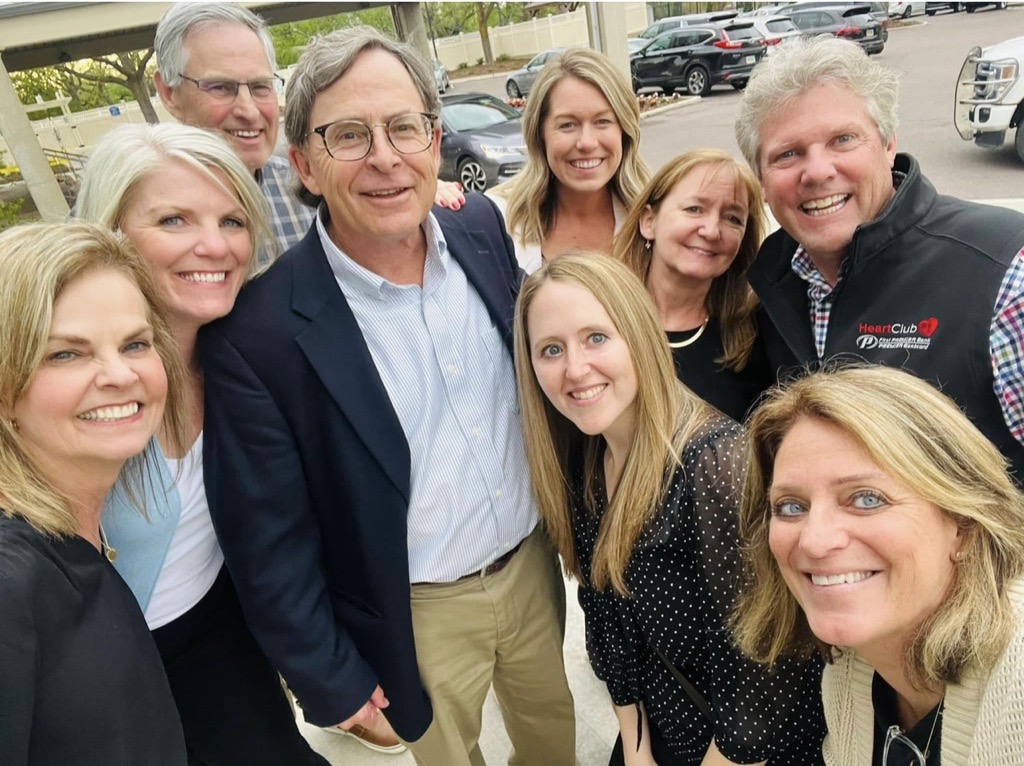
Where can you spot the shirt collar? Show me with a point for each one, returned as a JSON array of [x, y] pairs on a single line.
[[358, 278]]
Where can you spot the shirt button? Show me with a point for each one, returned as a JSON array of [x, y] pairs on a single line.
[[452, 369], [499, 494], [476, 432]]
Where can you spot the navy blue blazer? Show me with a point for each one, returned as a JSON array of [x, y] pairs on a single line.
[[307, 474]]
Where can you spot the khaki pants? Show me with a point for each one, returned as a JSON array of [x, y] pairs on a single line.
[[507, 630]]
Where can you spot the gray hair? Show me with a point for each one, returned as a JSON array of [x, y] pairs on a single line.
[[798, 65], [182, 18], [129, 153], [325, 60]]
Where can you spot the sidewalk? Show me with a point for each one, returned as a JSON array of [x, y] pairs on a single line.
[[596, 727]]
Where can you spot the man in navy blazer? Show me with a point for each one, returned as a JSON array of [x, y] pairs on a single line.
[[363, 453]]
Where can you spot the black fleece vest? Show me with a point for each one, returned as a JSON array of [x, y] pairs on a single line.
[[920, 286]]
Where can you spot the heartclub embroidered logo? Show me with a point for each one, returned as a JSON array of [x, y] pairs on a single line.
[[913, 336]]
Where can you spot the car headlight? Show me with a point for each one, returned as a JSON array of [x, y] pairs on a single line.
[[497, 152], [998, 76]]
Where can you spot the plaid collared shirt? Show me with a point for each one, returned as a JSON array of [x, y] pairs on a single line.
[[291, 219], [1006, 337]]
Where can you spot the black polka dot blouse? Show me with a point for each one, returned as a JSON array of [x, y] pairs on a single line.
[[682, 579]]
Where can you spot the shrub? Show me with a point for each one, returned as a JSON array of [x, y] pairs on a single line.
[[10, 213]]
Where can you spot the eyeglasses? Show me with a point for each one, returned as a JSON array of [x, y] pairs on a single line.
[[265, 89], [895, 734], [350, 140]]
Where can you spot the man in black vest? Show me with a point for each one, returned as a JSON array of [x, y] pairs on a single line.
[[871, 263]]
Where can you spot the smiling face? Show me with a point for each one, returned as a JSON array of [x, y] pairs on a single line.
[[697, 229], [193, 235], [581, 361], [582, 136], [825, 169], [98, 396], [227, 52], [867, 560], [380, 201]]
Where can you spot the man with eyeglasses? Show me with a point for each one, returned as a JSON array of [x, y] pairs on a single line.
[[215, 70], [364, 454]]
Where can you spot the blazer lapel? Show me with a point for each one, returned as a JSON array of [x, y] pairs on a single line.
[[334, 346]]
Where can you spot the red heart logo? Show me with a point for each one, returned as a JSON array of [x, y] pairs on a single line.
[[928, 326]]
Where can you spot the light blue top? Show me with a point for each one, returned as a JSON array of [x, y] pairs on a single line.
[[142, 543]]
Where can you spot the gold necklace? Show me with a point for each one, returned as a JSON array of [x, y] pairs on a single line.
[[935, 721], [109, 552], [693, 339]]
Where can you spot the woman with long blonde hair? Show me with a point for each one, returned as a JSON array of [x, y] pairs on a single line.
[[635, 479], [582, 132]]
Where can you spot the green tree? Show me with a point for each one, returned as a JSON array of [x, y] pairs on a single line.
[[128, 70], [289, 39]]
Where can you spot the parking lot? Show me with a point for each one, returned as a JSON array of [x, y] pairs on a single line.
[[928, 56]]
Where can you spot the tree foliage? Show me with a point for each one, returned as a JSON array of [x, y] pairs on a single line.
[[289, 39], [46, 82], [448, 19]]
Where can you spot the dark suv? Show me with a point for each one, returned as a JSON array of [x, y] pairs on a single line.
[[847, 22], [695, 58]]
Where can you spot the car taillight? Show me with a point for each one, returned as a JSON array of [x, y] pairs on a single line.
[[728, 45], [848, 32]]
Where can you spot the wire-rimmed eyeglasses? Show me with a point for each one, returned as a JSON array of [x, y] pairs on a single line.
[[895, 734], [351, 140], [264, 89]]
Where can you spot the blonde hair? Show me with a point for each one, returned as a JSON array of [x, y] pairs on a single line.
[[37, 262], [667, 414], [531, 194], [128, 154], [920, 438], [730, 300]]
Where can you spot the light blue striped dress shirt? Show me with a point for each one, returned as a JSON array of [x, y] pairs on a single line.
[[451, 382]]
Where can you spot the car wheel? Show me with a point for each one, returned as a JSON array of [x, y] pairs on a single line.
[[956, 7], [698, 81], [1018, 142], [970, 8], [1001, 6], [906, 13], [739, 84], [932, 13], [513, 90], [472, 175]]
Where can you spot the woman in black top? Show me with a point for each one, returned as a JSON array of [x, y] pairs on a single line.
[[690, 236], [635, 479], [89, 373]]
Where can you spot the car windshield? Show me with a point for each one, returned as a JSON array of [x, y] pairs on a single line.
[[781, 25], [475, 115]]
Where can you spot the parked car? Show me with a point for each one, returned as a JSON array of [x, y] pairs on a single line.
[[847, 22], [972, 7], [441, 77], [878, 11], [520, 81], [904, 10], [775, 29], [696, 58], [990, 96], [931, 9], [662, 26], [633, 44], [481, 140]]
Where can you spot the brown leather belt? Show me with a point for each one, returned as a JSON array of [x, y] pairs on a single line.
[[495, 566]]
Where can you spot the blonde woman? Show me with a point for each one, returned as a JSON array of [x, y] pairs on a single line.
[[89, 374], [691, 235], [883, 530], [582, 132], [635, 479], [196, 216]]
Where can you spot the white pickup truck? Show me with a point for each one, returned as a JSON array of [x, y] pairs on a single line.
[[990, 95]]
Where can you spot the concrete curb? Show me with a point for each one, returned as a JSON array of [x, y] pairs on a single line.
[[687, 101]]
